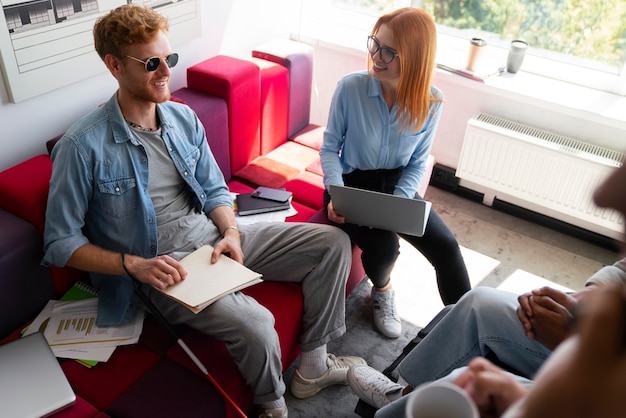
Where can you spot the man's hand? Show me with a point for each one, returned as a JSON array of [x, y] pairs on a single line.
[[491, 388], [229, 245], [161, 272], [546, 315]]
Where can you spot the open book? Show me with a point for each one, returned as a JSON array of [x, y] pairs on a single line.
[[205, 282]]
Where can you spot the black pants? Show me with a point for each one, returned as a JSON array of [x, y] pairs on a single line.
[[380, 249]]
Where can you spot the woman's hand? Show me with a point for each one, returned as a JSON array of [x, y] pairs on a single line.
[[334, 216]]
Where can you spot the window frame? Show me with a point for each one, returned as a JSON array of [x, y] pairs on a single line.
[[320, 21]]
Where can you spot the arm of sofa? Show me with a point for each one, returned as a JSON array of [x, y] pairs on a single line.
[[24, 189]]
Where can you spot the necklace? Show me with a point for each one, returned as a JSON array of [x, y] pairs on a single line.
[[141, 128]]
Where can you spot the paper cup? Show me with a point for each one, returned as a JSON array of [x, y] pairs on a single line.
[[477, 46], [440, 400]]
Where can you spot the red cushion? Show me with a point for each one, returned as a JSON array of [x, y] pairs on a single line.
[[303, 215], [307, 188], [24, 189], [238, 82], [285, 301], [105, 382], [267, 172], [169, 390], [274, 104], [218, 362], [80, 409]]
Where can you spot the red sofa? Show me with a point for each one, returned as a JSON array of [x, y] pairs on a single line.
[[257, 125]]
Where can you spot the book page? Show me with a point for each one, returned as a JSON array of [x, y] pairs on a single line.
[[206, 282]]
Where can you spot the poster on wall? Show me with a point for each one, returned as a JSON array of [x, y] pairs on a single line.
[[48, 44]]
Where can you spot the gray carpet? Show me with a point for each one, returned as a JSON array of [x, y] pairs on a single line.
[[360, 339]]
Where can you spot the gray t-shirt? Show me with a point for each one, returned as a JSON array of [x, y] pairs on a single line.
[[181, 228]]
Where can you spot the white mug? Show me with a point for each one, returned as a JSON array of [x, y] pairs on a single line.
[[442, 400]]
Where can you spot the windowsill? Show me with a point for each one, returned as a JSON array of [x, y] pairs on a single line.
[[572, 99]]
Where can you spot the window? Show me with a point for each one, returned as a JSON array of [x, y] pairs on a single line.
[[578, 41]]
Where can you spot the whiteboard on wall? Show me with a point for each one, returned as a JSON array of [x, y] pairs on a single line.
[[45, 44]]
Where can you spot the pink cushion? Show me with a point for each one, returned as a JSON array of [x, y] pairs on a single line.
[[238, 82], [312, 136], [298, 58], [213, 114]]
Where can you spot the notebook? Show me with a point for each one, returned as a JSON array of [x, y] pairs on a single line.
[[31, 380], [250, 205], [381, 210]]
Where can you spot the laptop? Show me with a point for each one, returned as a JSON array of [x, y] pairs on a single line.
[[32, 383], [381, 210]]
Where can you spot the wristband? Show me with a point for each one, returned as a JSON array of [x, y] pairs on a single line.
[[124, 265], [229, 227]]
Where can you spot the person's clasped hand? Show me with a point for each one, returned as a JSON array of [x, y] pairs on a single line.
[[586, 375]]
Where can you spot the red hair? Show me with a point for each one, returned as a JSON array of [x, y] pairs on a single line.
[[415, 37]]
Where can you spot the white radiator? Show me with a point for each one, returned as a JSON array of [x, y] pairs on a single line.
[[540, 171]]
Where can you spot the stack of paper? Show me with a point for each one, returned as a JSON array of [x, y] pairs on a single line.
[[71, 332]]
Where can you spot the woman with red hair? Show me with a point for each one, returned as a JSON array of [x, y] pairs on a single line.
[[380, 130]]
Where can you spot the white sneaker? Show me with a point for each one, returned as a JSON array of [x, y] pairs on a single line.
[[386, 317], [275, 413], [336, 374], [373, 387]]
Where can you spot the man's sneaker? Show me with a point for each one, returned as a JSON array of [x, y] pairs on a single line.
[[373, 387], [274, 413], [337, 374], [386, 317]]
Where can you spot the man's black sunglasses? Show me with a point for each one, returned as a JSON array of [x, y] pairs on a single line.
[[153, 63]]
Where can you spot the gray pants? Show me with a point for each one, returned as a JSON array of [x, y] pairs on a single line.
[[316, 256]]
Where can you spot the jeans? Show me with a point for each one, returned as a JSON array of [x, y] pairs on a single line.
[[484, 322]]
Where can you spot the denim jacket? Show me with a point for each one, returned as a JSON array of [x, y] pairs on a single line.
[[99, 193]]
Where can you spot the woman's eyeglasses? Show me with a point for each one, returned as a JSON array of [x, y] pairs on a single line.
[[386, 54], [153, 63]]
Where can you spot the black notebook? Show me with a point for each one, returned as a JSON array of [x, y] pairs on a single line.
[[249, 205]]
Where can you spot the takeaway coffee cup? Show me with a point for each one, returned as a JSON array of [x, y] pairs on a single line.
[[517, 51], [477, 45], [442, 400]]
